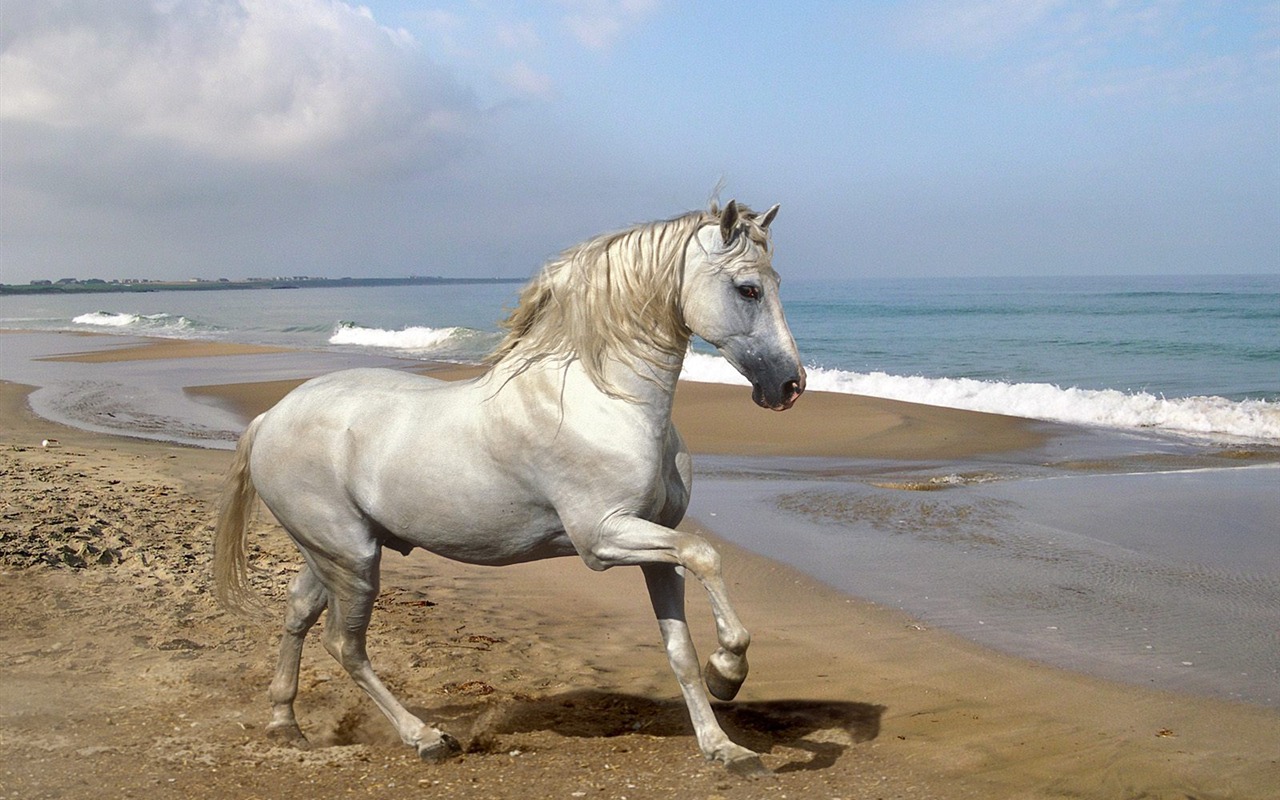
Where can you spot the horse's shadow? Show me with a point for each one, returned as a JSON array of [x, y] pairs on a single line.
[[822, 728]]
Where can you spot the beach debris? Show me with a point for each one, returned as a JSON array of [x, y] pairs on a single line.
[[179, 644], [938, 482], [82, 554], [1165, 733], [473, 687], [49, 443]]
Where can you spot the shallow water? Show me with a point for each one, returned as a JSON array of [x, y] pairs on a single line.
[[1169, 580], [146, 398]]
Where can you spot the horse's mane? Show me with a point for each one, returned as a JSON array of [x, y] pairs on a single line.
[[615, 296]]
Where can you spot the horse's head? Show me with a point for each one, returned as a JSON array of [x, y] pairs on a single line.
[[730, 298]]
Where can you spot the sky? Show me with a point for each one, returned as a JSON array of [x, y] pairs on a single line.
[[178, 139]]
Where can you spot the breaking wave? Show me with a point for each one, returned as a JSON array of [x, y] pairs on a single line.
[[455, 343], [1206, 416], [142, 324]]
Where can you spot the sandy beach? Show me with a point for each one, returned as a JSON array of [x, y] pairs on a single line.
[[120, 677]]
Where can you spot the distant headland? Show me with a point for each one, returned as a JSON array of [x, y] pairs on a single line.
[[100, 286]]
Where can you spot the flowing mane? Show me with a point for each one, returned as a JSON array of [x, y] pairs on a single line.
[[616, 296]]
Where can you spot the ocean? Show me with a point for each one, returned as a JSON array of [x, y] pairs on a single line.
[[1141, 546], [1187, 355]]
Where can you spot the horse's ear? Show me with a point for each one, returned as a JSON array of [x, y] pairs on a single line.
[[768, 216], [728, 220]]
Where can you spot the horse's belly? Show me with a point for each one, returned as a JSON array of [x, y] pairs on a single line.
[[493, 548], [490, 532], [507, 551]]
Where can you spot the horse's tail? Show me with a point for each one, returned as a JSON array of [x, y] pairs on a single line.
[[230, 558]]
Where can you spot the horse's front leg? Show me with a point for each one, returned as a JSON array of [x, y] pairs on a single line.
[[625, 539], [726, 668], [666, 591], [629, 540]]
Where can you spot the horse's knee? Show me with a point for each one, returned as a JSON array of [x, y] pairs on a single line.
[[699, 557], [297, 626], [598, 559]]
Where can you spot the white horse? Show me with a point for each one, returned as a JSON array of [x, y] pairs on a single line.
[[564, 447]]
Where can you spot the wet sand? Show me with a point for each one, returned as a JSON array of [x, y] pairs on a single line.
[[120, 675], [156, 349]]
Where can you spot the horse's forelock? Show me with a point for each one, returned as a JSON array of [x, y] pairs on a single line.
[[748, 233], [750, 227]]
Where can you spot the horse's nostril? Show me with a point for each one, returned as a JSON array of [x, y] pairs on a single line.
[[792, 388]]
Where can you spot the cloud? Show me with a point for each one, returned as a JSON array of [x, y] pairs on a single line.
[[256, 81], [162, 138], [528, 82], [1158, 50], [518, 35], [597, 24], [975, 27]]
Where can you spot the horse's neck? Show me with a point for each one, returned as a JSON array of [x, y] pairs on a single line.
[[647, 383], [640, 384]]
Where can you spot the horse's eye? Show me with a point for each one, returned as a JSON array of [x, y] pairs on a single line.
[[749, 291]]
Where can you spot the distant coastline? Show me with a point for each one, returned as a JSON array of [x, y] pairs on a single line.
[[98, 286]]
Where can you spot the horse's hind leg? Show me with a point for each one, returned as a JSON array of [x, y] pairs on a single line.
[[352, 590], [307, 598]]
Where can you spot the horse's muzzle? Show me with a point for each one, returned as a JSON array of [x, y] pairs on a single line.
[[782, 397]]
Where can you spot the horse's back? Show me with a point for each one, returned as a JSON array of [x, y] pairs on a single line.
[[352, 384], [314, 433], [348, 395]]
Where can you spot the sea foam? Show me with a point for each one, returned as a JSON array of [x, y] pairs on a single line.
[[453, 342], [147, 324], [1207, 416]]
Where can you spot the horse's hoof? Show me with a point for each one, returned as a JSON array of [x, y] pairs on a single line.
[[444, 748], [749, 767], [288, 734], [724, 675]]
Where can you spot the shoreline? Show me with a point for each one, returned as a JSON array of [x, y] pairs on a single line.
[[939, 512], [716, 419], [846, 698]]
